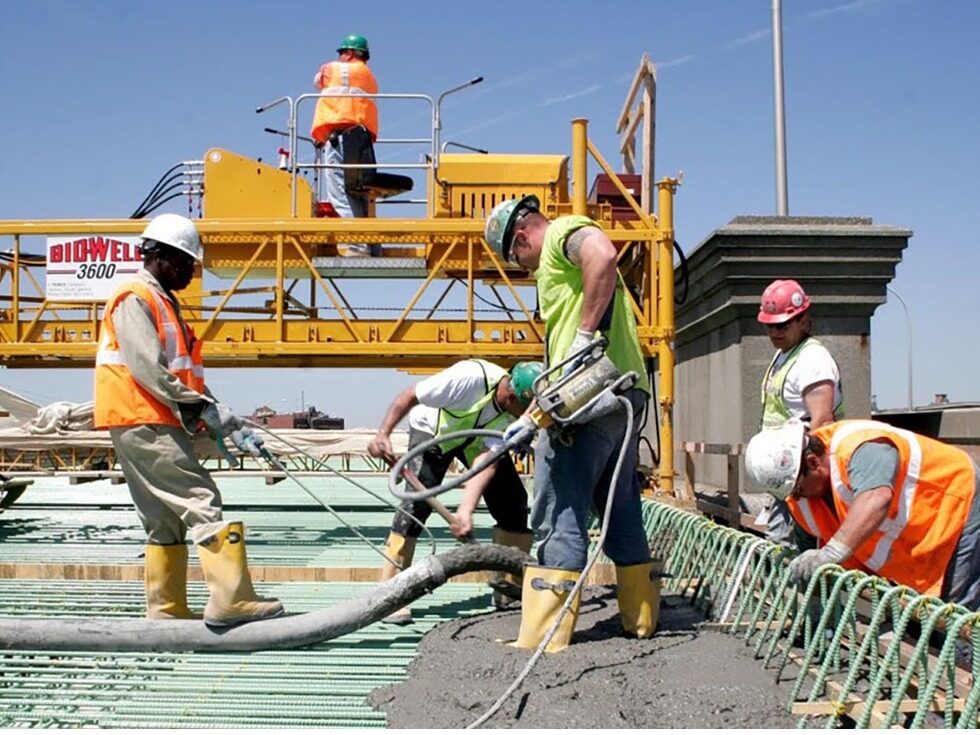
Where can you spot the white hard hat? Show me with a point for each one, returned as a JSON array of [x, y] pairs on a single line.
[[177, 232], [773, 456]]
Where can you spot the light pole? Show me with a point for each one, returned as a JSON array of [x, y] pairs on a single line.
[[782, 188], [908, 324]]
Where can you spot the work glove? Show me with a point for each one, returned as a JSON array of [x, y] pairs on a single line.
[[248, 441], [380, 447], [520, 433], [220, 420], [806, 564], [583, 338]]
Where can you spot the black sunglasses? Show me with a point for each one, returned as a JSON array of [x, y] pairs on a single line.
[[783, 325]]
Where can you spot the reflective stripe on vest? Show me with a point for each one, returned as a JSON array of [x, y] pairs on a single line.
[[353, 80], [119, 399], [891, 527], [469, 418], [806, 518], [931, 500], [774, 409]]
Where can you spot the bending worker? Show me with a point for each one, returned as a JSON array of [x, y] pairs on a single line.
[[345, 114], [471, 394], [901, 505], [150, 394], [580, 294], [802, 381]]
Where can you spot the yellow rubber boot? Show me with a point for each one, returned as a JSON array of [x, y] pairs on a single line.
[[545, 591], [400, 549], [638, 593], [233, 600], [520, 541], [165, 573]]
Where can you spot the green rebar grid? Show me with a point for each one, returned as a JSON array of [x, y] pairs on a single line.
[[878, 643]]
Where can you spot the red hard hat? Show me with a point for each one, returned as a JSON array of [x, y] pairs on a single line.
[[781, 301]]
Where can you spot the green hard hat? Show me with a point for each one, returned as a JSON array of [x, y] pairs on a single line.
[[522, 377], [354, 42], [499, 229]]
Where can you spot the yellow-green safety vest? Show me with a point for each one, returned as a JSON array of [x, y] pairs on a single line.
[[774, 409], [451, 420], [560, 295]]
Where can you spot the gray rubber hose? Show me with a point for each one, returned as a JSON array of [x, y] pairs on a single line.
[[290, 631]]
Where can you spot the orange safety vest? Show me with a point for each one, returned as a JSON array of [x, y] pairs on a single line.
[[350, 78], [119, 399], [933, 493]]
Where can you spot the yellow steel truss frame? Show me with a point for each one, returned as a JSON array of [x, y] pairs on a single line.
[[241, 330]]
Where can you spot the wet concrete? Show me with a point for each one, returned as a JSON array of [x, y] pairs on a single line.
[[684, 677]]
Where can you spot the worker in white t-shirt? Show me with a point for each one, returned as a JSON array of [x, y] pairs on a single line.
[[803, 380], [471, 394]]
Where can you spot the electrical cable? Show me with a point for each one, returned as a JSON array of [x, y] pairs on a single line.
[[269, 457], [582, 577]]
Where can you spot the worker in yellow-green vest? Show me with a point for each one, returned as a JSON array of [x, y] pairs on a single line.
[[581, 296], [470, 394], [802, 381]]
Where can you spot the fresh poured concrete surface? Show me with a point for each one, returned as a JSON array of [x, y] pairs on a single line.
[[683, 677]]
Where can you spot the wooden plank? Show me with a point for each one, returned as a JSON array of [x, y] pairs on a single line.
[[712, 448], [648, 106], [645, 68], [854, 707], [601, 574], [718, 510]]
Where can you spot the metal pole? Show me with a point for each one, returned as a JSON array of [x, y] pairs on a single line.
[[908, 324], [665, 321], [782, 192], [580, 165]]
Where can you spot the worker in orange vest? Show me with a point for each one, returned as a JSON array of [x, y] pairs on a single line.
[[904, 506], [340, 120], [150, 394]]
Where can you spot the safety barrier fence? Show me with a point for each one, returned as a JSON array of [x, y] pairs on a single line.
[[867, 652]]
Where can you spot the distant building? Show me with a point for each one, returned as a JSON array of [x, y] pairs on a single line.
[[308, 419]]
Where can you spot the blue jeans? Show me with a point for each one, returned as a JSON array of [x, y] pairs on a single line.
[[962, 580], [569, 480], [347, 205]]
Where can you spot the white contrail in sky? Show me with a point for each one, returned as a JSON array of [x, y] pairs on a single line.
[[565, 97], [749, 38], [673, 62], [851, 7]]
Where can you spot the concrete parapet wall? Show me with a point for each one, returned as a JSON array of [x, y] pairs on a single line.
[[722, 351]]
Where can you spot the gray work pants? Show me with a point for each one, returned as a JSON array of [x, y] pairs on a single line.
[[171, 490]]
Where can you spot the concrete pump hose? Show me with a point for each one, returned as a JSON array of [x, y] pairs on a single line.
[[290, 631], [396, 471]]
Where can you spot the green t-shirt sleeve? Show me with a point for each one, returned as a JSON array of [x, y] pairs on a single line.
[[873, 464]]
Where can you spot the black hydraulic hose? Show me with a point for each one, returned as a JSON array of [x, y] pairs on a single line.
[[156, 187], [157, 203], [682, 278], [290, 631], [654, 455], [174, 183]]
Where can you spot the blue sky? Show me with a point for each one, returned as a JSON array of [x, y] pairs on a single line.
[[100, 98]]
